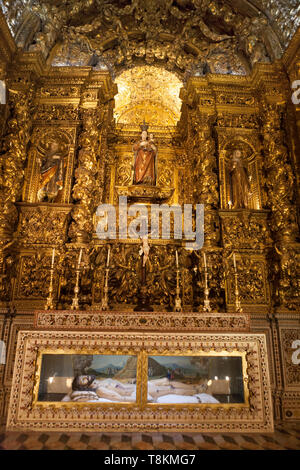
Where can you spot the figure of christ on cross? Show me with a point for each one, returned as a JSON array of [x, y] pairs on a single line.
[[143, 299]]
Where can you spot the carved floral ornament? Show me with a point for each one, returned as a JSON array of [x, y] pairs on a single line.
[[193, 35]]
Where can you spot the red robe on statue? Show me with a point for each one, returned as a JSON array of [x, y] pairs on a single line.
[[144, 166]]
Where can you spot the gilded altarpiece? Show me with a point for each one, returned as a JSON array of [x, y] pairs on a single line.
[[250, 243]]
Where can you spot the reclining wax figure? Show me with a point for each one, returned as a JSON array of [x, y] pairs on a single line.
[[85, 388]]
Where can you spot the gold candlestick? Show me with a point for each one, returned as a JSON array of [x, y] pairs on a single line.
[[49, 304], [79, 258], [177, 306], [206, 306], [238, 307], [104, 303], [75, 303]]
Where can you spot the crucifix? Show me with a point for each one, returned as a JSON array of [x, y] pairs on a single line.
[[143, 299]]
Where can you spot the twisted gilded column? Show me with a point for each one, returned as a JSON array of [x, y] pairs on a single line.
[[279, 176], [13, 155], [206, 191], [95, 116], [85, 190], [280, 183]]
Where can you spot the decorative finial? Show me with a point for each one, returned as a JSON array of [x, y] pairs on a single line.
[[144, 126]]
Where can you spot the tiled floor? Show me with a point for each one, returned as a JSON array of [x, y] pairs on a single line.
[[284, 437]]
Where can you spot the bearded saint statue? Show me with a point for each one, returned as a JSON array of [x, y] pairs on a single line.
[[145, 152], [51, 174]]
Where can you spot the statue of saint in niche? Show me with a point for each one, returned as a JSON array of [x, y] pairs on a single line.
[[145, 152], [240, 182], [52, 174]]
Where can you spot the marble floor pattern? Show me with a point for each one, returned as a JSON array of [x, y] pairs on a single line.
[[285, 437]]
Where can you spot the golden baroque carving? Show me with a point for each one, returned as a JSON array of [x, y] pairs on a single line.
[[124, 170], [124, 275], [280, 183], [49, 112], [248, 121], [7, 272], [252, 281], [279, 175], [168, 321], [205, 175], [285, 269], [14, 146], [42, 224], [291, 369], [8, 220], [58, 91], [34, 276], [86, 190], [245, 230]]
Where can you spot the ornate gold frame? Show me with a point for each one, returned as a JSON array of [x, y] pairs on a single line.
[[254, 415], [200, 353], [35, 401], [141, 379]]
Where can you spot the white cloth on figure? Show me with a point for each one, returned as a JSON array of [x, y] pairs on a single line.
[[177, 399], [206, 398], [199, 398], [85, 397]]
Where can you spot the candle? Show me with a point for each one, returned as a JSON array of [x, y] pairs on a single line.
[[108, 255], [234, 261], [204, 257], [230, 204], [176, 259], [79, 258], [53, 254]]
